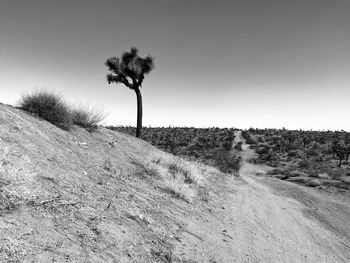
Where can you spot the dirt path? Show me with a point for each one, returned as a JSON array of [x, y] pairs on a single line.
[[251, 222]]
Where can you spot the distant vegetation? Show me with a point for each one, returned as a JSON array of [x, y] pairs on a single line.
[[212, 146], [303, 155], [130, 70], [53, 108]]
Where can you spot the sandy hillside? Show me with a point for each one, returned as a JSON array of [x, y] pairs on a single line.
[[108, 197], [90, 197]]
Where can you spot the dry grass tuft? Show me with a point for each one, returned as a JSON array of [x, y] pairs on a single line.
[[180, 168], [144, 169], [180, 190], [184, 179], [88, 116]]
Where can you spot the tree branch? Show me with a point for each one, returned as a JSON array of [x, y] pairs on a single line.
[[119, 79]]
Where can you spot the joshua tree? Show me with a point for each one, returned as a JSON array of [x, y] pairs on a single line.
[[130, 70]]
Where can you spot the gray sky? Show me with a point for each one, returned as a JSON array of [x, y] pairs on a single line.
[[259, 63]]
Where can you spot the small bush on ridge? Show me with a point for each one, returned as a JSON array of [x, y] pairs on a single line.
[[49, 106], [88, 117]]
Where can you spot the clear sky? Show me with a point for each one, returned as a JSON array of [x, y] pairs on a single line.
[[247, 63]]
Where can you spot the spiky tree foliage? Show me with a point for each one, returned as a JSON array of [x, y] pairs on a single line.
[[130, 69]]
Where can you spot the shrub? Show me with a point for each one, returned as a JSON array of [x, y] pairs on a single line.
[[88, 117], [304, 164], [49, 106], [227, 162], [292, 153], [232, 163], [248, 137], [264, 150], [271, 156], [312, 152], [238, 146], [335, 173], [260, 139], [275, 171]]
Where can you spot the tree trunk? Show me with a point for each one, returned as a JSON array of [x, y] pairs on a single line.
[[339, 164], [139, 112]]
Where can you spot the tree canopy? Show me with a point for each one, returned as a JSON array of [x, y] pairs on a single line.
[[130, 69]]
